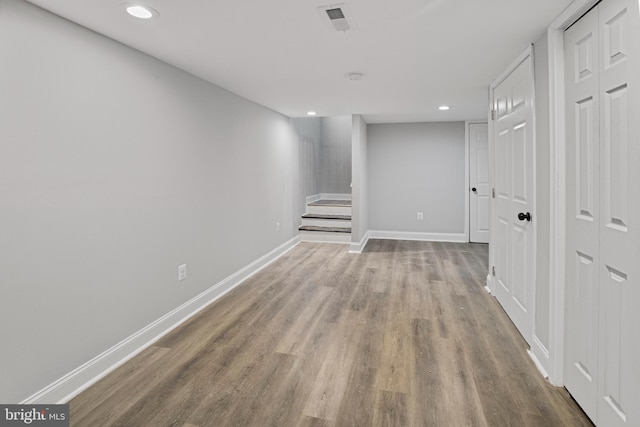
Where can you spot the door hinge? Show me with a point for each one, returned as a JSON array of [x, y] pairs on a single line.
[[493, 193], [493, 270], [493, 114]]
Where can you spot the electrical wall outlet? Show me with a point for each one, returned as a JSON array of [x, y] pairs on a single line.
[[277, 226], [182, 272], [420, 216]]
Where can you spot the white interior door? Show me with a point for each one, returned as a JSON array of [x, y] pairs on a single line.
[[602, 351], [513, 235], [479, 185]]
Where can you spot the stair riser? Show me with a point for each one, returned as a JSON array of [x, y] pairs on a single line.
[[314, 236], [318, 222], [329, 210]]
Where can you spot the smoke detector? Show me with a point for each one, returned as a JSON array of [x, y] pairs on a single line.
[[337, 17]]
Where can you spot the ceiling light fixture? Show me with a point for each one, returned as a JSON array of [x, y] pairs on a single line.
[[311, 113], [142, 12], [444, 108]]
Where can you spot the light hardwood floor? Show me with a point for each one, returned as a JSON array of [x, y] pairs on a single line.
[[401, 335]]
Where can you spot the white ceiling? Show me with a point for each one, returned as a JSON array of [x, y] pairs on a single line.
[[415, 54]]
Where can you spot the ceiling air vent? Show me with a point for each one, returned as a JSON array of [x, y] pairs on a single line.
[[337, 16]]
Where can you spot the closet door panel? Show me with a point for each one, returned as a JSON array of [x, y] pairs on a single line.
[[619, 231]]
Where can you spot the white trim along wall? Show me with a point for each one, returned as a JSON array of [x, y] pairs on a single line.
[[425, 237]]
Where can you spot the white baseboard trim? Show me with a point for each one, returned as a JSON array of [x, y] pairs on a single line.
[[358, 247], [489, 285], [539, 365], [328, 196], [540, 354], [428, 237], [78, 380]]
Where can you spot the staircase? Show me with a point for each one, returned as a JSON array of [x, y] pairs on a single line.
[[327, 221]]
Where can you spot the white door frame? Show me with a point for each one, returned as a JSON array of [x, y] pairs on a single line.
[[467, 176], [557, 140]]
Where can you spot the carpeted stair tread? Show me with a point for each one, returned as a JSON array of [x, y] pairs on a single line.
[[323, 216], [325, 229]]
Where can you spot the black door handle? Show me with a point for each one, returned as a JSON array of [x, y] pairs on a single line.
[[474, 189], [523, 216]]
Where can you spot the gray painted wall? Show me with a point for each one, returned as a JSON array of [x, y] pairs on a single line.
[[114, 169], [543, 190], [416, 167], [309, 134], [336, 155], [324, 154], [360, 199]]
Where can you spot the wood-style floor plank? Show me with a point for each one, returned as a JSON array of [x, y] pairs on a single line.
[[391, 410], [332, 379], [403, 334]]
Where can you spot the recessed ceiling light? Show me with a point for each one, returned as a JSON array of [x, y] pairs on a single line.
[[142, 12], [311, 113], [444, 108]]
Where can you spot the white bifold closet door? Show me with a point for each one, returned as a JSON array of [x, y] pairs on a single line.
[[602, 344]]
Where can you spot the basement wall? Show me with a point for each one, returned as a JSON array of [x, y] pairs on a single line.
[[417, 167], [335, 176], [115, 168]]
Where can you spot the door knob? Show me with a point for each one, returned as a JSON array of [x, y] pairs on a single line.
[[523, 216], [474, 189]]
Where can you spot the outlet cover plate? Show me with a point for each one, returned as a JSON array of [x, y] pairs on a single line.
[[182, 272]]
